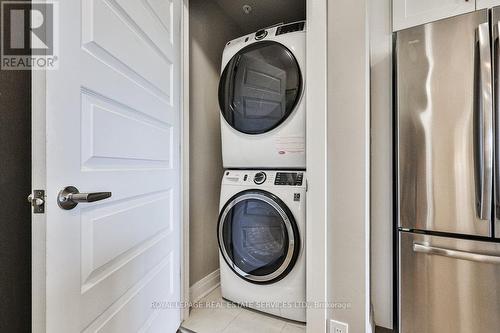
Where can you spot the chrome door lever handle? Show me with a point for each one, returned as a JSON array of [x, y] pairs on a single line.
[[70, 197]]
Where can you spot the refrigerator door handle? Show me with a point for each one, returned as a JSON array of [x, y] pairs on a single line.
[[455, 254], [496, 85], [485, 125]]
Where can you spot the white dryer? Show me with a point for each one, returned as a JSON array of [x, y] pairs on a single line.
[[261, 97], [261, 236]]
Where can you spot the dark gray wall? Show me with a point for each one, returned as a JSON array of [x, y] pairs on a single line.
[[209, 30], [15, 213]]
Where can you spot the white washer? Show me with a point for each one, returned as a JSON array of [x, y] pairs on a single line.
[[261, 98], [261, 235]]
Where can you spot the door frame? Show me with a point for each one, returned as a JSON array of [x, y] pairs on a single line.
[[316, 163], [38, 181], [185, 160], [39, 173]]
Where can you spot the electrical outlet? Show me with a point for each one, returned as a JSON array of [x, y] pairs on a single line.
[[338, 327]]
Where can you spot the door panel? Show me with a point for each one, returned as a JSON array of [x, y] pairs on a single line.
[[441, 133], [113, 124], [105, 147], [441, 294], [107, 25]]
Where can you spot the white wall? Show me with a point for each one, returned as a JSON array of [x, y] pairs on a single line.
[[348, 140], [381, 161], [210, 28]]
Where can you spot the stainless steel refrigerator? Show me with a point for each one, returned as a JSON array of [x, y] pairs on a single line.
[[447, 139]]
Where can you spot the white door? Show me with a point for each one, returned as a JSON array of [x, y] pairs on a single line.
[[113, 123], [409, 13]]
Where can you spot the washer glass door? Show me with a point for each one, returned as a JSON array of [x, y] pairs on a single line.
[[260, 87], [258, 236]]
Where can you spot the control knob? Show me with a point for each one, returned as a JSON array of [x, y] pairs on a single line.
[[260, 34], [259, 178]]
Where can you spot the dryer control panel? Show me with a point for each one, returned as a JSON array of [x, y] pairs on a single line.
[[274, 33], [292, 27]]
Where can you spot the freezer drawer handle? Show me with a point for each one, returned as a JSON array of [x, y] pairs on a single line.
[[439, 251]]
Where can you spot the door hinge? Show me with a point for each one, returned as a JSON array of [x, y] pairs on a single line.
[[37, 201]]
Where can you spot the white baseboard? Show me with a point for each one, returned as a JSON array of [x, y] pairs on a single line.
[[203, 287]]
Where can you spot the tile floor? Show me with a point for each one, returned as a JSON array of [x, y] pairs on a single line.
[[228, 318]]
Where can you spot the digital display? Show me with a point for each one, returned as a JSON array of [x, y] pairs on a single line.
[[284, 29], [289, 178]]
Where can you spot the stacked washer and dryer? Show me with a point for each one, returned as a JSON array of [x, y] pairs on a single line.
[[261, 228]]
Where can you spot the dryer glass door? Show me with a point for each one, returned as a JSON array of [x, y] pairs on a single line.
[[258, 236], [260, 87]]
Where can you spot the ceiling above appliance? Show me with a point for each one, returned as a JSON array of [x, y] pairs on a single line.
[[263, 13]]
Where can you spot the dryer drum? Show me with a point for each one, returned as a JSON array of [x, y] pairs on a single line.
[[260, 87], [258, 236]]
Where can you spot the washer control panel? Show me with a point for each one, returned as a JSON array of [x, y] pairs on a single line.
[[289, 178], [266, 178]]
